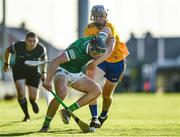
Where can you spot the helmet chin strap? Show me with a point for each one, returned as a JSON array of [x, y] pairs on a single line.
[[99, 25]]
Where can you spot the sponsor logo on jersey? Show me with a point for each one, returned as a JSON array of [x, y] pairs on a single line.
[[72, 54]]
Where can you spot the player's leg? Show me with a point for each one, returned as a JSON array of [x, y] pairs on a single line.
[[85, 85], [88, 86], [32, 82], [60, 83], [113, 75], [33, 95], [48, 96], [107, 93], [96, 75], [20, 87]]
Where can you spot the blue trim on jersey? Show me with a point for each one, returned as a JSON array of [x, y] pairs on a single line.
[[113, 70]]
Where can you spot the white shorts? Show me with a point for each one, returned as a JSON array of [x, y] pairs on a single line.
[[71, 77]]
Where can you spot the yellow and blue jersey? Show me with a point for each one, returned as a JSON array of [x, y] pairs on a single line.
[[120, 51]]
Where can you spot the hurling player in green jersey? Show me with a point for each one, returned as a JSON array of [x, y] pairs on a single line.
[[66, 70]]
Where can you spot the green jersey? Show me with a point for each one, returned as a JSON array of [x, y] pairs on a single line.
[[78, 55]]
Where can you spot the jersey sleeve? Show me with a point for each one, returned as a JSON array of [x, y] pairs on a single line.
[[44, 53], [72, 54], [11, 48]]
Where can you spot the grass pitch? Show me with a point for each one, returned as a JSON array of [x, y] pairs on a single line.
[[131, 115]]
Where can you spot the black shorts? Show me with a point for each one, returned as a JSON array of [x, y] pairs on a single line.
[[32, 78]]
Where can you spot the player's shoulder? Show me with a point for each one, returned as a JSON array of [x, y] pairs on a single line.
[[41, 47], [20, 42], [110, 25]]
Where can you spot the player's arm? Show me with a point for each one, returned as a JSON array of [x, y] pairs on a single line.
[[107, 40], [111, 43], [7, 57], [108, 52], [44, 58], [43, 67], [62, 58]]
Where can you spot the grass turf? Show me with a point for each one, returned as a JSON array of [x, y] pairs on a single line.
[[131, 115]]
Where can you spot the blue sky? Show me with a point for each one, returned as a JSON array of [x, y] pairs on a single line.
[[56, 20]]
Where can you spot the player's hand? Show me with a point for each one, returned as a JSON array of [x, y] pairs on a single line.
[[47, 85], [6, 67], [91, 66]]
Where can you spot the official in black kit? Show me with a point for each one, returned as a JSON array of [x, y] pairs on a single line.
[[24, 75]]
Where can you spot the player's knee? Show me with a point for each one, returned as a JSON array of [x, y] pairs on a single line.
[[107, 97], [21, 95], [95, 92], [32, 98], [98, 91], [61, 92], [62, 95]]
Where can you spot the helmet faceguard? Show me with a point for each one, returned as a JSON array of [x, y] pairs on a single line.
[[96, 46], [98, 11]]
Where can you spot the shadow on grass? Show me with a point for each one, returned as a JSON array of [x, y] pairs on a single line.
[[57, 131], [16, 134], [69, 131], [61, 132], [16, 122], [10, 123], [38, 117]]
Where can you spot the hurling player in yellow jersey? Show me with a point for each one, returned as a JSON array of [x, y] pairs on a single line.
[[112, 68]]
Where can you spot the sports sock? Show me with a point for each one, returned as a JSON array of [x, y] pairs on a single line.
[[23, 104], [93, 109], [103, 114], [35, 106], [74, 106], [32, 102], [47, 121]]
